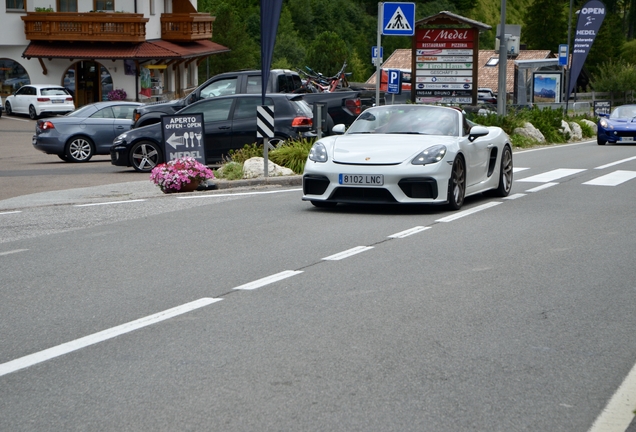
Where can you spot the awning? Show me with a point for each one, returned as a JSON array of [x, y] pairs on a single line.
[[149, 50]]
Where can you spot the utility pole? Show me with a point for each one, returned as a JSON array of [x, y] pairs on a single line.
[[503, 63], [568, 77]]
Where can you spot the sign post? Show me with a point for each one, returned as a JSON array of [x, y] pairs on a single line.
[[265, 130]]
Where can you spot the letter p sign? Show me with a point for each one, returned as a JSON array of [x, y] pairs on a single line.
[[394, 84]]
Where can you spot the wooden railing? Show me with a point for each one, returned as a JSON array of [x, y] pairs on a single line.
[[90, 26], [184, 27]]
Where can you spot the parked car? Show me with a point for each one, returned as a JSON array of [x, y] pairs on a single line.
[[18, 82], [409, 154], [85, 132], [38, 99], [1, 106], [619, 126], [486, 95], [229, 124]]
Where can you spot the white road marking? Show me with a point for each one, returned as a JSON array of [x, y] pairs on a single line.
[[514, 196], [518, 169], [619, 411], [268, 280], [16, 119], [543, 186], [616, 163], [612, 179], [65, 348], [409, 232], [11, 212], [237, 194], [461, 214], [108, 203], [551, 175], [13, 251], [347, 253]]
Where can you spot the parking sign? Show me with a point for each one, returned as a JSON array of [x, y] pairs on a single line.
[[394, 84]]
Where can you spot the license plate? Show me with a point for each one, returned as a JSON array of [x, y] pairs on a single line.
[[57, 100], [626, 139], [361, 179]]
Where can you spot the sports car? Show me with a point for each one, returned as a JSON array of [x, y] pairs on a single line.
[[620, 126], [410, 154]]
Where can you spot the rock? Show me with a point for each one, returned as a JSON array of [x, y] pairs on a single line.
[[591, 124], [530, 131], [254, 167], [577, 132], [565, 130]]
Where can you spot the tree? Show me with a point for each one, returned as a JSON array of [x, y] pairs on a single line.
[[327, 53], [545, 25]]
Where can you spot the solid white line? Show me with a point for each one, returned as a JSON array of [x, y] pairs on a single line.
[[11, 212], [236, 194], [616, 163], [13, 251], [543, 186], [552, 147], [16, 119], [347, 253], [108, 203], [268, 280], [65, 348], [612, 179], [409, 232], [514, 196], [469, 212], [619, 411], [518, 169], [551, 175]]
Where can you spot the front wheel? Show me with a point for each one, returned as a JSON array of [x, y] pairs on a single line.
[[505, 175], [600, 141], [79, 149], [7, 108], [457, 184], [144, 156], [33, 114]]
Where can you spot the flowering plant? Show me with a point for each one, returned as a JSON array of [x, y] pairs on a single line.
[[175, 174], [117, 94]]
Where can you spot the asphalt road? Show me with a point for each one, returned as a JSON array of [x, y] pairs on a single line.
[[255, 311]]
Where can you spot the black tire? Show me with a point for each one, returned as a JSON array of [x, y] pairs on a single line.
[[600, 141], [324, 204], [63, 157], [145, 155], [79, 149], [505, 175], [457, 184], [33, 114], [7, 108]]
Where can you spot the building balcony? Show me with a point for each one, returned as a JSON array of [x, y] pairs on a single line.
[[186, 27], [90, 26]]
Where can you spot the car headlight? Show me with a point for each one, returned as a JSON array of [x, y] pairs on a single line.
[[318, 153], [121, 138], [430, 156], [605, 124]]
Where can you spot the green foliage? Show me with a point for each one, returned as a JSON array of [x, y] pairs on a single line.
[[507, 123], [327, 53], [522, 141], [586, 129], [248, 151], [547, 120], [607, 45], [545, 25], [293, 154], [628, 52], [230, 171]]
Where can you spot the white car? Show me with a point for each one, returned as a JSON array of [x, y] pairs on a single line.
[[1, 106], [410, 154], [38, 99]]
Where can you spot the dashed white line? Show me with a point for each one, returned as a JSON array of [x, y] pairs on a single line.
[[409, 232], [11, 212], [550, 176], [13, 251], [237, 194], [65, 348], [108, 203], [268, 280], [514, 196], [543, 186], [519, 169], [461, 214], [615, 163], [348, 253], [619, 411], [612, 179]]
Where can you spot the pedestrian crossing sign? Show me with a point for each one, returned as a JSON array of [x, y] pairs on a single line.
[[398, 19]]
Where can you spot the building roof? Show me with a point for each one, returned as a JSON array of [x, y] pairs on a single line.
[[149, 50], [487, 76], [446, 17]]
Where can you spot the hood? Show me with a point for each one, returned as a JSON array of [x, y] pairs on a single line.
[[376, 149]]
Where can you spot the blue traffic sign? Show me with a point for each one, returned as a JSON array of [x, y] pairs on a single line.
[[394, 83], [374, 52], [398, 19], [563, 55]]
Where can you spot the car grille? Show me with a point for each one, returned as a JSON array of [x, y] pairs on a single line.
[[362, 195], [315, 185], [419, 187]]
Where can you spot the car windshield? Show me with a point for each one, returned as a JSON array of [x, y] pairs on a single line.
[[625, 111], [407, 119]]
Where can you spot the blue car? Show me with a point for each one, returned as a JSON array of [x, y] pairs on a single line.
[[85, 132], [620, 126]]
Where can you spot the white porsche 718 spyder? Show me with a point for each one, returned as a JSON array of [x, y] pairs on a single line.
[[408, 154]]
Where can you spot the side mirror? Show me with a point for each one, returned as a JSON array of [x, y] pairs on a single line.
[[477, 132], [338, 129]]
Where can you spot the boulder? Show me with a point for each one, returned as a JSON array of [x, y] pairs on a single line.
[[566, 131], [530, 131], [591, 124], [577, 132], [254, 168]]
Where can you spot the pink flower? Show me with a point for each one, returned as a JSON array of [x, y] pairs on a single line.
[[173, 175]]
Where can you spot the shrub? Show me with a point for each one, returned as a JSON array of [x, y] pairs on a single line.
[[522, 141], [230, 171], [247, 152], [548, 121], [293, 154], [586, 129], [117, 94]]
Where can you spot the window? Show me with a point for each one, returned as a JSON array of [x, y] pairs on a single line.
[[104, 5], [15, 5], [219, 88], [493, 61], [152, 7], [213, 110], [246, 107], [67, 5]]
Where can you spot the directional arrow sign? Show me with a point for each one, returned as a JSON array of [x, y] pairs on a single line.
[[398, 19]]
